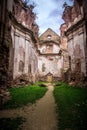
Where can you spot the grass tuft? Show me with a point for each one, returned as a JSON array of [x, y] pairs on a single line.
[[24, 95], [71, 107]]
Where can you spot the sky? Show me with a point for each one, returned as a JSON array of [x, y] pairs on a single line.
[[49, 14]]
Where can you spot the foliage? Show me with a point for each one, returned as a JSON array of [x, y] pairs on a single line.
[[65, 5], [11, 123], [22, 96], [71, 107], [27, 4]]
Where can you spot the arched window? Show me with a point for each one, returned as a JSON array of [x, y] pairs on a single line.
[[48, 36], [43, 67], [21, 66], [29, 68]]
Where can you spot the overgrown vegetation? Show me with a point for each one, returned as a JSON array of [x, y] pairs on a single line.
[[11, 123], [24, 95], [71, 107]]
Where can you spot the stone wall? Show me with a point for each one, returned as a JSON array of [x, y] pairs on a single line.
[[50, 58], [5, 46], [77, 52], [49, 35], [76, 38], [64, 47], [25, 56], [24, 14], [24, 33], [49, 48], [18, 37], [52, 64]]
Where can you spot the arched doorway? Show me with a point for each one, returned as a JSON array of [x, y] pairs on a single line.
[[49, 77]]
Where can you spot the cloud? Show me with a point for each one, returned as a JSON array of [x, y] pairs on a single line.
[[55, 13], [49, 14]]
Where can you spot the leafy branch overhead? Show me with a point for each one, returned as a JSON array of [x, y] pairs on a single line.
[[65, 4], [28, 4]]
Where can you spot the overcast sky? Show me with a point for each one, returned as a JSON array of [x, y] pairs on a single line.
[[49, 13]]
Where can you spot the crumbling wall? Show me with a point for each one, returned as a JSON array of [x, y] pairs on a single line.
[[24, 36], [50, 58], [5, 46], [24, 14], [77, 53], [17, 31], [52, 64], [76, 39], [64, 47], [25, 56]]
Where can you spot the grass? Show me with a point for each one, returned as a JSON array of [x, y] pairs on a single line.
[[24, 95], [11, 123], [71, 107]]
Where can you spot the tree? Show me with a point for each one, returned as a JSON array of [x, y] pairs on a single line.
[[65, 5], [28, 4]]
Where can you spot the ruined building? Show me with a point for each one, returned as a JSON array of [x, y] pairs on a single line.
[[25, 57], [74, 30], [18, 37], [50, 60]]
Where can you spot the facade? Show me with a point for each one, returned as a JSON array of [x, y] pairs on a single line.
[[76, 34], [18, 38], [24, 34], [25, 57], [50, 59]]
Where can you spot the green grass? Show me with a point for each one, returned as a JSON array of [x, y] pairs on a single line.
[[11, 123], [71, 107], [24, 95]]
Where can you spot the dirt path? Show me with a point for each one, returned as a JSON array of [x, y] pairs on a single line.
[[39, 116]]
